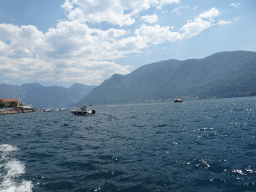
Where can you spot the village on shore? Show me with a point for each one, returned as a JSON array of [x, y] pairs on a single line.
[[13, 106]]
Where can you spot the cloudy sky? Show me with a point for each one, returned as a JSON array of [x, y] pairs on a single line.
[[62, 42]]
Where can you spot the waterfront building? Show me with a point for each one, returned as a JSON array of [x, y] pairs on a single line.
[[7, 102]]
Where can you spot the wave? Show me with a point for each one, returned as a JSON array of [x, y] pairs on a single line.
[[10, 171]]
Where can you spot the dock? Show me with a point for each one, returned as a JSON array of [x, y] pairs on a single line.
[[9, 112], [18, 109]]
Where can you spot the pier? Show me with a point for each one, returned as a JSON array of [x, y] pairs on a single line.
[[18, 109], [13, 106]]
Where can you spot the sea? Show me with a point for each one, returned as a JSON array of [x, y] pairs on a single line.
[[196, 145]]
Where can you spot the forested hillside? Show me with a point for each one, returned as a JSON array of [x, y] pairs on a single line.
[[224, 74]]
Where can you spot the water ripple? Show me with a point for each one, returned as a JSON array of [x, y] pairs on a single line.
[[201, 145]]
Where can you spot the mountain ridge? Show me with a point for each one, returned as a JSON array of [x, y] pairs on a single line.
[[222, 74], [45, 96]]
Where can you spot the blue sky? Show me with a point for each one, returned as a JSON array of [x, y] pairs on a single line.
[[62, 42]]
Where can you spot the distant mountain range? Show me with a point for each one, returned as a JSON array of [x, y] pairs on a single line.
[[42, 97], [224, 74]]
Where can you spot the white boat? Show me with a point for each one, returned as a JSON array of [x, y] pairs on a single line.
[[177, 100], [47, 110], [62, 108], [83, 111]]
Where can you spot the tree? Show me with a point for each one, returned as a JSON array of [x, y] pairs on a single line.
[[12, 104], [2, 105]]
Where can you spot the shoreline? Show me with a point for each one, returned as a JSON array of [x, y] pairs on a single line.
[[13, 112]]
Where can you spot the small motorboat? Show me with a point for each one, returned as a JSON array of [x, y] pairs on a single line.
[[177, 100], [47, 110], [83, 111]]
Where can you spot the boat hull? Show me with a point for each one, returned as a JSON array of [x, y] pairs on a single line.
[[177, 100], [80, 112]]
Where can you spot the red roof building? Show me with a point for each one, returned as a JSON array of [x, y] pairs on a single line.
[[8, 101]]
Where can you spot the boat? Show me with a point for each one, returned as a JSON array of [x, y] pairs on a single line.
[[25, 109], [47, 110], [83, 111], [177, 100]]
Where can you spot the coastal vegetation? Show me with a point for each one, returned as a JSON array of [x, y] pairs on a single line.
[[2, 105], [9, 105]]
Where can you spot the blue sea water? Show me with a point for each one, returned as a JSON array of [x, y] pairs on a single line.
[[196, 145]]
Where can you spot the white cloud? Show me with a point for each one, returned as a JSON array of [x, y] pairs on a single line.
[[4, 48], [222, 22], [20, 40], [67, 6], [78, 70], [152, 35], [157, 34], [164, 2], [210, 13], [234, 5], [194, 28], [150, 18], [116, 12], [75, 39], [72, 51], [177, 10], [65, 53]]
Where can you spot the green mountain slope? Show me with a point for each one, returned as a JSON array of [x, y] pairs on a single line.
[[224, 74]]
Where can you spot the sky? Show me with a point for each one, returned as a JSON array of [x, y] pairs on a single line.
[[62, 42]]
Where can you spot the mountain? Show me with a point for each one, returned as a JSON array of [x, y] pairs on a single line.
[[77, 91], [224, 74], [42, 97]]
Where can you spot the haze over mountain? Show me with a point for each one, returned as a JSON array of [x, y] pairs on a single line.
[[224, 74], [49, 96]]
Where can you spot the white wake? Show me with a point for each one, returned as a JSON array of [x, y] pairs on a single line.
[[10, 171]]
